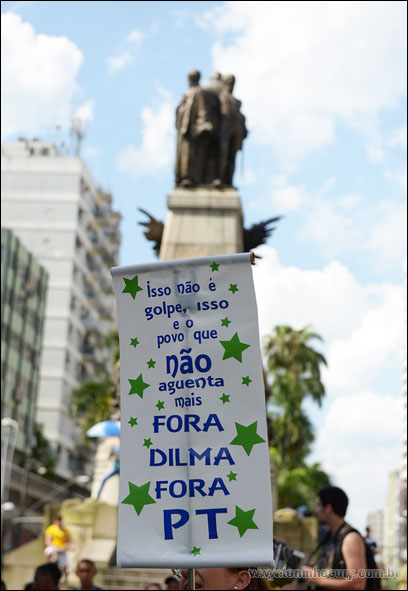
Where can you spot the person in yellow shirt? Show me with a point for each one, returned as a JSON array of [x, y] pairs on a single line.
[[57, 541]]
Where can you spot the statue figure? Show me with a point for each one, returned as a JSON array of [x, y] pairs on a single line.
[[197, 124], [210, 131], [154, 230], [216, 82], [233, 130]]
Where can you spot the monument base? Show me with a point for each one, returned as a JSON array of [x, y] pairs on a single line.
[[202, 222]]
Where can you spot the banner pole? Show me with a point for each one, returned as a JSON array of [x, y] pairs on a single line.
[[191, 579]]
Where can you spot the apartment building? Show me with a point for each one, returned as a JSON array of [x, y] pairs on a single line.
[[23, 297], [55, 208]]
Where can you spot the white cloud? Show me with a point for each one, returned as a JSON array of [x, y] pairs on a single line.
[[247, 178], [125, 55], [359, 445], [303, 66], [85, 112], [376, 341], [92, 151], [39, 77], [119, 62], [157, 149], [286, 197], [334, 230], [388, 237], [135, 36], [330, 299], [341, 224], [362, 327], [398, 138], [348, 202], [398, 175]]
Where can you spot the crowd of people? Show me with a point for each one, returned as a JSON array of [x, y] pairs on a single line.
[[340, 560], [49, 577]]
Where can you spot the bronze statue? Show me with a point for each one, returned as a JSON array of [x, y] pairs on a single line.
[[154, 230], [198, 128], [210, 131], [233, 130], [258, 234]]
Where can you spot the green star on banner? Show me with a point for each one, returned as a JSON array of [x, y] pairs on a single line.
[[232, 476], [147, 443], [151, 363], [215, 267], [132, 421], [243, 520], [225, 398], [138, 497], [246, 381], [195, 551], [233, 288], [225, 321], [134, 342], [138, 386], [234, 348], [160, 405], [132, 286], [247, 436]]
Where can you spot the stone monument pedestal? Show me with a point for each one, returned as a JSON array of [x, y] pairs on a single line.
[[202, 221]]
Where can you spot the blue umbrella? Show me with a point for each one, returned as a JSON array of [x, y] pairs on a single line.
[[104, 429]]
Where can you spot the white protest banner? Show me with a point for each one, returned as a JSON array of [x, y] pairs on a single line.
[[194, 461]]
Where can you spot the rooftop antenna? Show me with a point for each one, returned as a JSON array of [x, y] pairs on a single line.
[[56, 141], [55, 131], [78, 130]]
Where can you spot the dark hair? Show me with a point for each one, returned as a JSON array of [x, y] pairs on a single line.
[[3, 584], [336, 497], [49, 568], [87, 561]]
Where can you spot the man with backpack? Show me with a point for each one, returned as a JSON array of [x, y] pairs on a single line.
[[344, 560]]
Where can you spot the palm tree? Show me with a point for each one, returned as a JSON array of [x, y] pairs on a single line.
[[299, 486], [294, 367], [91, 402]]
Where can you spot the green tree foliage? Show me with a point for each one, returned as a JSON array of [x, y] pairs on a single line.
[[294, 369], [91, 402], [96, 400], [111, 340], [41, 454], [298, 486]]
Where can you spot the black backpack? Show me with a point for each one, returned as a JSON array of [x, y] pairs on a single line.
[[373, 580]]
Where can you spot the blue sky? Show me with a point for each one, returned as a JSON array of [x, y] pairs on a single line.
[[323, 87]]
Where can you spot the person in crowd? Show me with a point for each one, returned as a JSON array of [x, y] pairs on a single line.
[[86, 571], [372, 542], [57, 542], [29, 586], [342, 551], [47, 577], [224, 578], [3, 585], [113, 470], [154, 586], [172, 583]]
